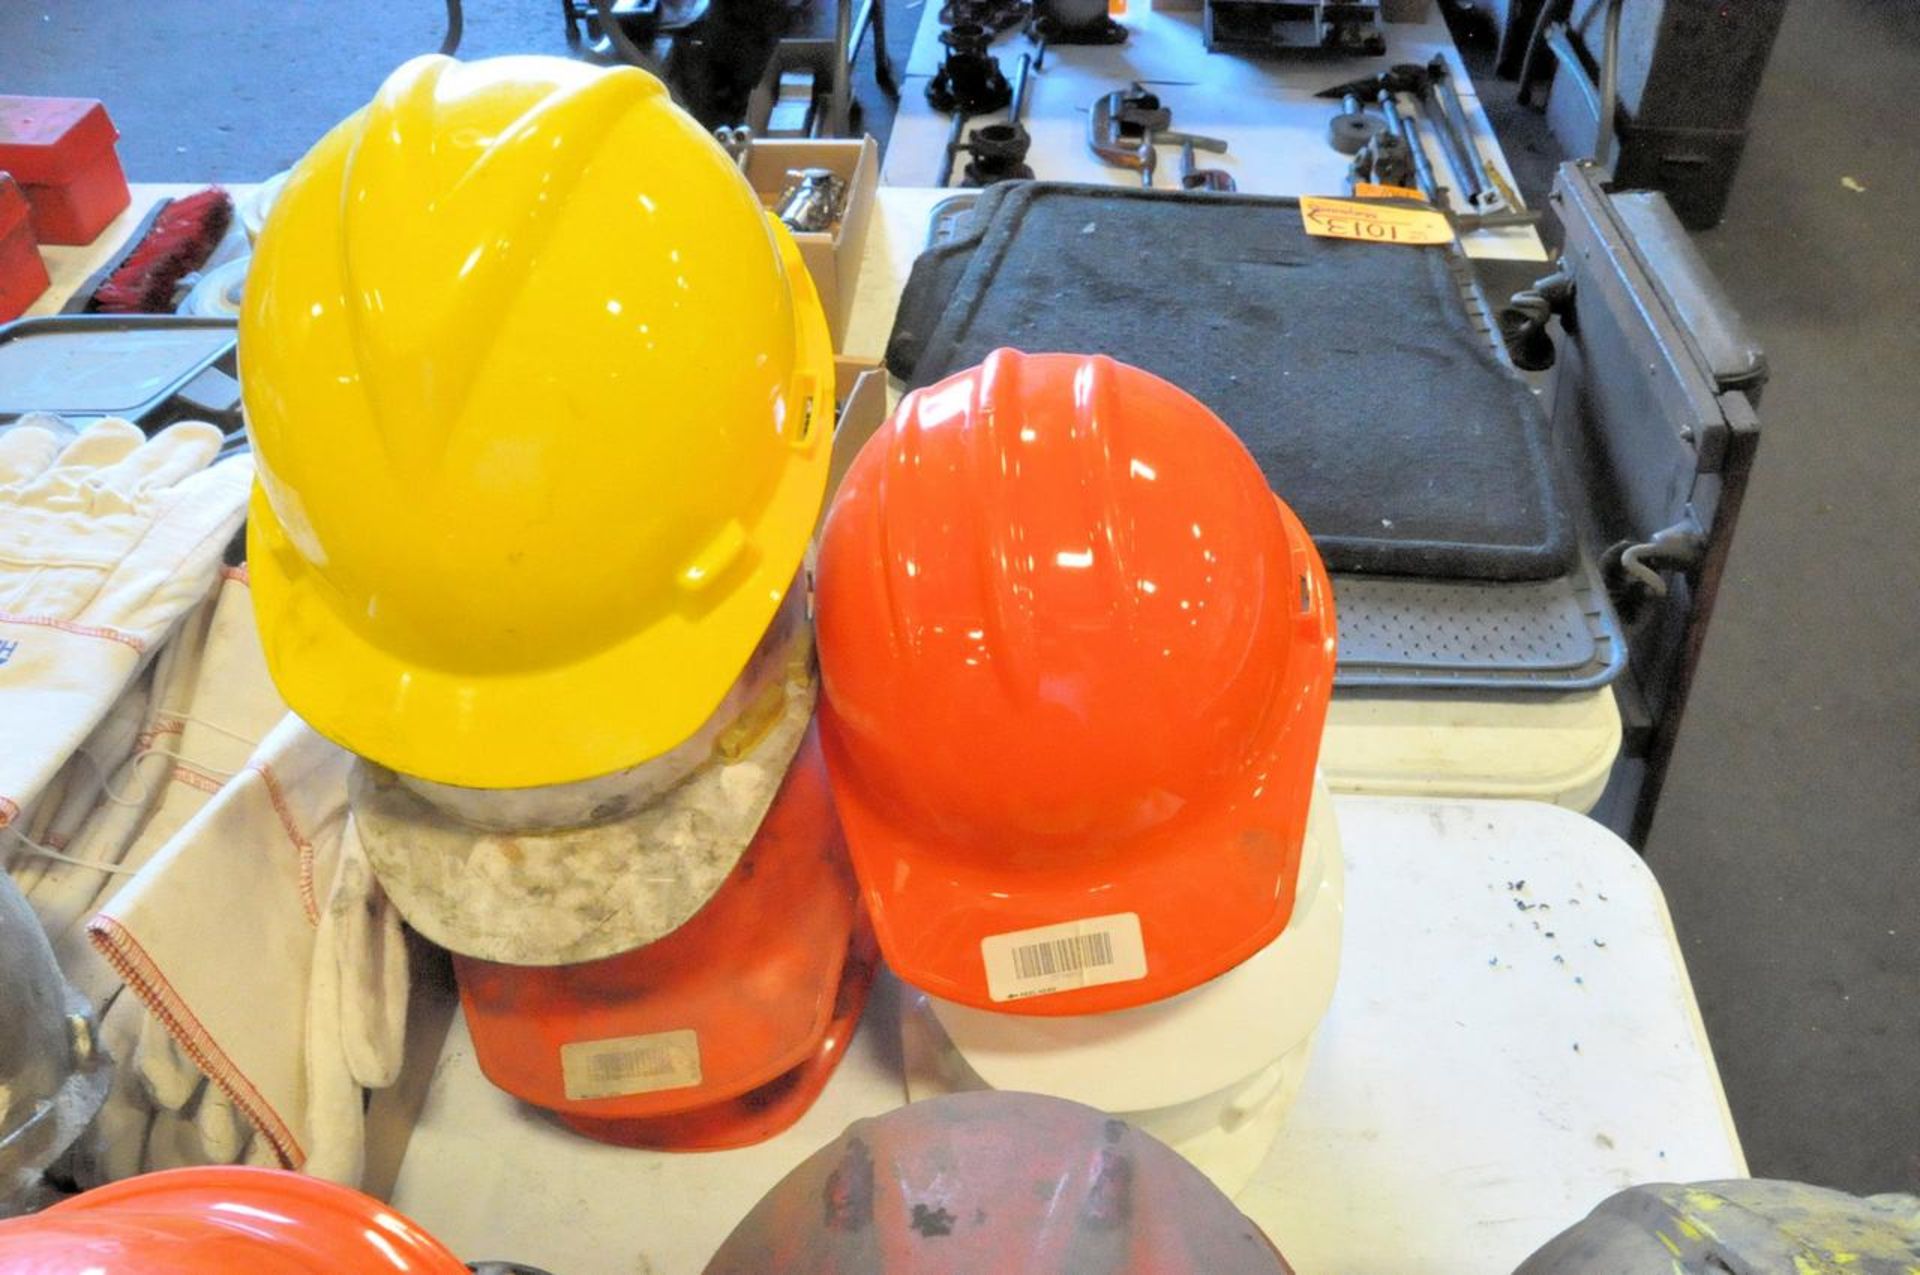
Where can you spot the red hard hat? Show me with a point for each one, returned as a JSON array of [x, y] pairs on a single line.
[[1076, 660], [211, 1221], [995, 1182], [720, 1034]]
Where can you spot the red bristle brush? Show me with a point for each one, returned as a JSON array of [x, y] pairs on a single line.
[[182, 237]]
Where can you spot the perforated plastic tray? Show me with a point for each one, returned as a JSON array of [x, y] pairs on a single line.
[[1552, 635], [1544, 636]]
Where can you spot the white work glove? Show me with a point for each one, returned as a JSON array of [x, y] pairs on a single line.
[[356, 1014], [212, 704], [172, 1084], [206, 1131], [65, 882], [281, 971], [104, 544], [161, 1112], [54, 822]]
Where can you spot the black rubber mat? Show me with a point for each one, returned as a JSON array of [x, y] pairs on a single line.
[[1353, 372]]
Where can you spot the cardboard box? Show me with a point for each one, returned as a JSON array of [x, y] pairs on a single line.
[[832, 257], [860, 395]]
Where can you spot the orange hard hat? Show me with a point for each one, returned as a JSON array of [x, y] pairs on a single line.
[[209, 1221], [1075, 664], [720, 1034], [995, 1182]]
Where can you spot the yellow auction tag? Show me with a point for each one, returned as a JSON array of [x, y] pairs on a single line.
[[1373, 190], [1373, 223]]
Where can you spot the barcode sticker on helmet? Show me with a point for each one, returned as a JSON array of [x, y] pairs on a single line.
[[1064, 957], [624, 1065]]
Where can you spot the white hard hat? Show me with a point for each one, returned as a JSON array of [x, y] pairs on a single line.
[[1211, 1072]]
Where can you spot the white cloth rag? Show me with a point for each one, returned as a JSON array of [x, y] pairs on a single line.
[[295, 1003], [211, 710], [53, 822], [66, 878], [136, 1131], [189, 724], [105, 542]]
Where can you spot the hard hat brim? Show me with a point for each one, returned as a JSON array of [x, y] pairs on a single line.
[[228, 1218], [763, 978], [1187, 1046], [1203, 907], [772, 1108]]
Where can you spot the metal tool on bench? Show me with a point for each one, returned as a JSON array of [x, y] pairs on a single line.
[[1196, 178], [995, 15], [1125, 126], [1380, 155], [998, 152], [969, 82], [737, 141], [151, 369], [1384, 161], [812, 200], [1481, 188], [1431, 85], [1406, 124], [1477, 184], [1354, 127], [1384, 88], [1406, 121], [1350, 27], [1401, 77]]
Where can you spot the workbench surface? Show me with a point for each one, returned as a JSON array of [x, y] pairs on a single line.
[[1264, 108], [1513, 1038]]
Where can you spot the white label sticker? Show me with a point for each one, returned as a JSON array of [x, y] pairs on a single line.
[[626, 1065], [1064, 957]]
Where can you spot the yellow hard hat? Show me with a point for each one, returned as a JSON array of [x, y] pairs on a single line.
[[542, 404]]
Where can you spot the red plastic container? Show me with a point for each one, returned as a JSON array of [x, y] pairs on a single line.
[[23, 276], [60, 150]]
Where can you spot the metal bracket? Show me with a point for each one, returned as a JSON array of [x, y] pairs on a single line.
[[1637, 568], [1325, 27]]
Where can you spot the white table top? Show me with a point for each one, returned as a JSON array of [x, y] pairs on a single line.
[[1556, 749], [1265, 109], [1469, 1094]]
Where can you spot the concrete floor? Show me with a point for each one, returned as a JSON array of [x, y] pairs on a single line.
[[1787, 838], [216, 91]]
